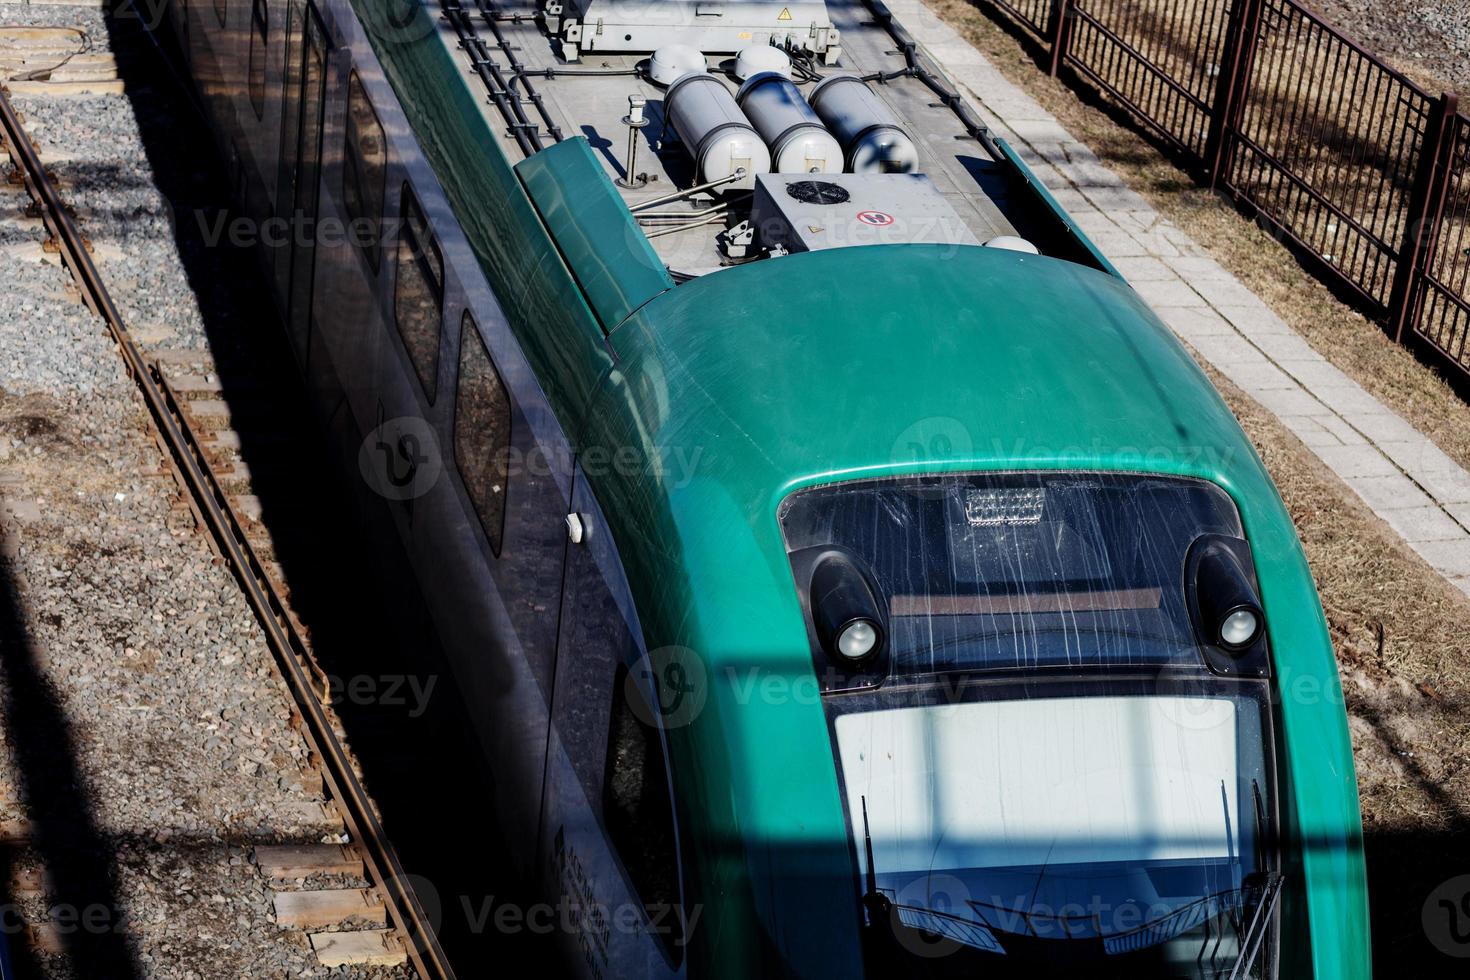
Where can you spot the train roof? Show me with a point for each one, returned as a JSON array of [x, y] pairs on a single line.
[[588, 97], [869, 358], [857, 363]]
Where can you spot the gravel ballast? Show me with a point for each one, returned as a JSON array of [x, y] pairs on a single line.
[[146, 743], [1428, 40]]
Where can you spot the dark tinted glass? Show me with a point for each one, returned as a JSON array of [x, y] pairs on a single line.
[[418, 294], [364, 170], [1022, 570], [482, 432]]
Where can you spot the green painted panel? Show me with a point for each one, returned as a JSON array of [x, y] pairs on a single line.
[[557, 329], [598, 237], [1043, 197], [739, 387]]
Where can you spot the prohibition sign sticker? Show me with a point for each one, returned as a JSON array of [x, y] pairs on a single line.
[[878, 219]]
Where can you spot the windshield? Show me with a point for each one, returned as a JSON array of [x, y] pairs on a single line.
[[1042, 772], [995, 571], [1124, 828]]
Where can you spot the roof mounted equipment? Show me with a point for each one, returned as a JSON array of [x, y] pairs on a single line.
[[799, 143], [723, 26], [871, 135]]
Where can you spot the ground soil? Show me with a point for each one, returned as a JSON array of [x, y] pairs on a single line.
[[1428, 40]]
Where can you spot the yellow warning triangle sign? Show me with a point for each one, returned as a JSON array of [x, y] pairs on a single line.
[[785, 14]]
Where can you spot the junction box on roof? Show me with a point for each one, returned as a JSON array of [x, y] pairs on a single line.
[[712, 26], [810, 212]]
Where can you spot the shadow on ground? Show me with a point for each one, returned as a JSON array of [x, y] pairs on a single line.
[[77, 856]]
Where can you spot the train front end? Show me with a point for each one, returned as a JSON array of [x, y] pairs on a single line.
[[1049, 697], [1009, 659]]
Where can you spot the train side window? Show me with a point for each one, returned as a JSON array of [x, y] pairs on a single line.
[[259, 45], [365, 171], [637, 809], [482, 432], [418, 293]]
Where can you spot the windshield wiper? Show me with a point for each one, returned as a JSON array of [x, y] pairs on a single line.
[[874, 901], [886, 915], [1260, 924], [1260, 812]]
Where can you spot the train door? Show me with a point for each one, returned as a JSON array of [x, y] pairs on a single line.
[[299, 177], [258, 112], [406, 376], [609, 839], [348, 324], [490, 541]]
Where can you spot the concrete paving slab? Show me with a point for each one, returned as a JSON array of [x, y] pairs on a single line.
[[1350, 401], [1385, 493], [1263, 377], [1198, 268], [1146, 268], [1120, 244], [1230, 350], [1254, 319], [1386, 427], [1447, 488], [1194, 321], [1170, 292], [1418, 525], [1449, 558], [1225, 292], [1313, 373], [1310, 431], [1340, 428], [1294, 402], [1364, 460], [1283, 347]]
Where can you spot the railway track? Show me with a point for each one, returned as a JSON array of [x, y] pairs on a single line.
[[200, 437]]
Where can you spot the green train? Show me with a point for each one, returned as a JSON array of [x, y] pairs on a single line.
[[846, 573]]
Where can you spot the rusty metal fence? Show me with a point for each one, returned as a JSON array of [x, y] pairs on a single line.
[[1442, 314], [1362, 171], [1035, 14], [1160, 57]]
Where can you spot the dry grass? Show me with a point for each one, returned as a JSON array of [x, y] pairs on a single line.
[[1346, 338], [1402, 633]]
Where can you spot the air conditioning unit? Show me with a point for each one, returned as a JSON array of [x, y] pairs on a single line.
[[809, 212]]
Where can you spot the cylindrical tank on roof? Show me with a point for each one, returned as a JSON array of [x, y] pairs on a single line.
[[717, 134], [799, 143], [872, 137]]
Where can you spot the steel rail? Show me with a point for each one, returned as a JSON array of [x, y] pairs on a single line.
[[213, 506]]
